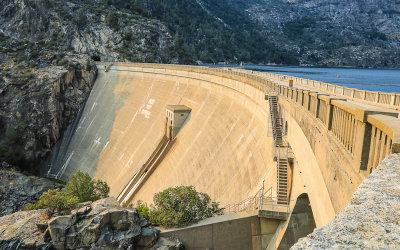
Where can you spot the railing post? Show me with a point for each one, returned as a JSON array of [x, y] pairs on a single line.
[[261, 197]]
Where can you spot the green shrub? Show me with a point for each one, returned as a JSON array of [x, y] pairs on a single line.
[[127, 36], [88, 65], [54, 200], [11, 136], [85, 188], [63, 62], [107, 2], [80, 188], [178, 207], [112, 19], [71, 65], [46, 3], [81, 18], [27, 76], [10, 156]]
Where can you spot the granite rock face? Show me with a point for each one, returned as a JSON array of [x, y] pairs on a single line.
[[47, 70], [372, 218], [38, 110], [360, 33], [19, 231], [86, 27], [16, 190], [102, 224]]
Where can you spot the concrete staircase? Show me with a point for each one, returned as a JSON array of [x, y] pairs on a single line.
[[275, 120], [281, 151], [282, 180]]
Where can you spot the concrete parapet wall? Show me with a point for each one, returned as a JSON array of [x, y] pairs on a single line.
[[236, 231], [381, 99], [326, 157]]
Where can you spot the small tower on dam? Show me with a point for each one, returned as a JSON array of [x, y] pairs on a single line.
[[177, 116]]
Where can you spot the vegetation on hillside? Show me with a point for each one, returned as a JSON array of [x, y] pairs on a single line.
[[179, 207], [80, 188], [224, 35], [8, 145]]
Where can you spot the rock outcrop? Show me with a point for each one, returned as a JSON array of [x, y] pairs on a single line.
[[47, 70], [99, 225], [360, 33], [16, 190], [35, 112], [86, 27], [371, 220]]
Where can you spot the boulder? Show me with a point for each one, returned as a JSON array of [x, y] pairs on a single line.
[[168, 244], [17, 189], [149, 237], [19, 231], [102, 224]]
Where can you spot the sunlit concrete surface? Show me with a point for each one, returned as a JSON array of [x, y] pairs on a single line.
[[224, 150]]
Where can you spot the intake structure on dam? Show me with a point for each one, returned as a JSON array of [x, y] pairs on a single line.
[[286, 147]]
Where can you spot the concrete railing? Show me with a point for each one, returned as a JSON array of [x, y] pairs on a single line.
[[385, 138], [382, 99], [353, 125], [367, 134]]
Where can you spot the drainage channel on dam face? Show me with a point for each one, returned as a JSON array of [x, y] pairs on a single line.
[[176, 117]]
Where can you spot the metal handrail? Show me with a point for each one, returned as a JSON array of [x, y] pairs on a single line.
[[253, 201]]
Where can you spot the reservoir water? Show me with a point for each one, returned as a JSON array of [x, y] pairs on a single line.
[[385, 80]]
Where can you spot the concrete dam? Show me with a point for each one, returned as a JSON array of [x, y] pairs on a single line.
[[234, 134]]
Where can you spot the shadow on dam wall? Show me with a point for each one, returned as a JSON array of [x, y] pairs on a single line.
[[83, 141], [224, 150]]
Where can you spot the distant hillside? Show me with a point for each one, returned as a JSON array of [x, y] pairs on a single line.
[[362, 33], [212, 31]]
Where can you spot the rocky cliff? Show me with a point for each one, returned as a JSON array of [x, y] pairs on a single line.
[[99, 225], [362, 33], [17, 190], [36, 105], [47, 70], [372, 218], [89, 27]]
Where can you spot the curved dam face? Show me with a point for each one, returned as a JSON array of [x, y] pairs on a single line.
[[324, 145], [223, 150]]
